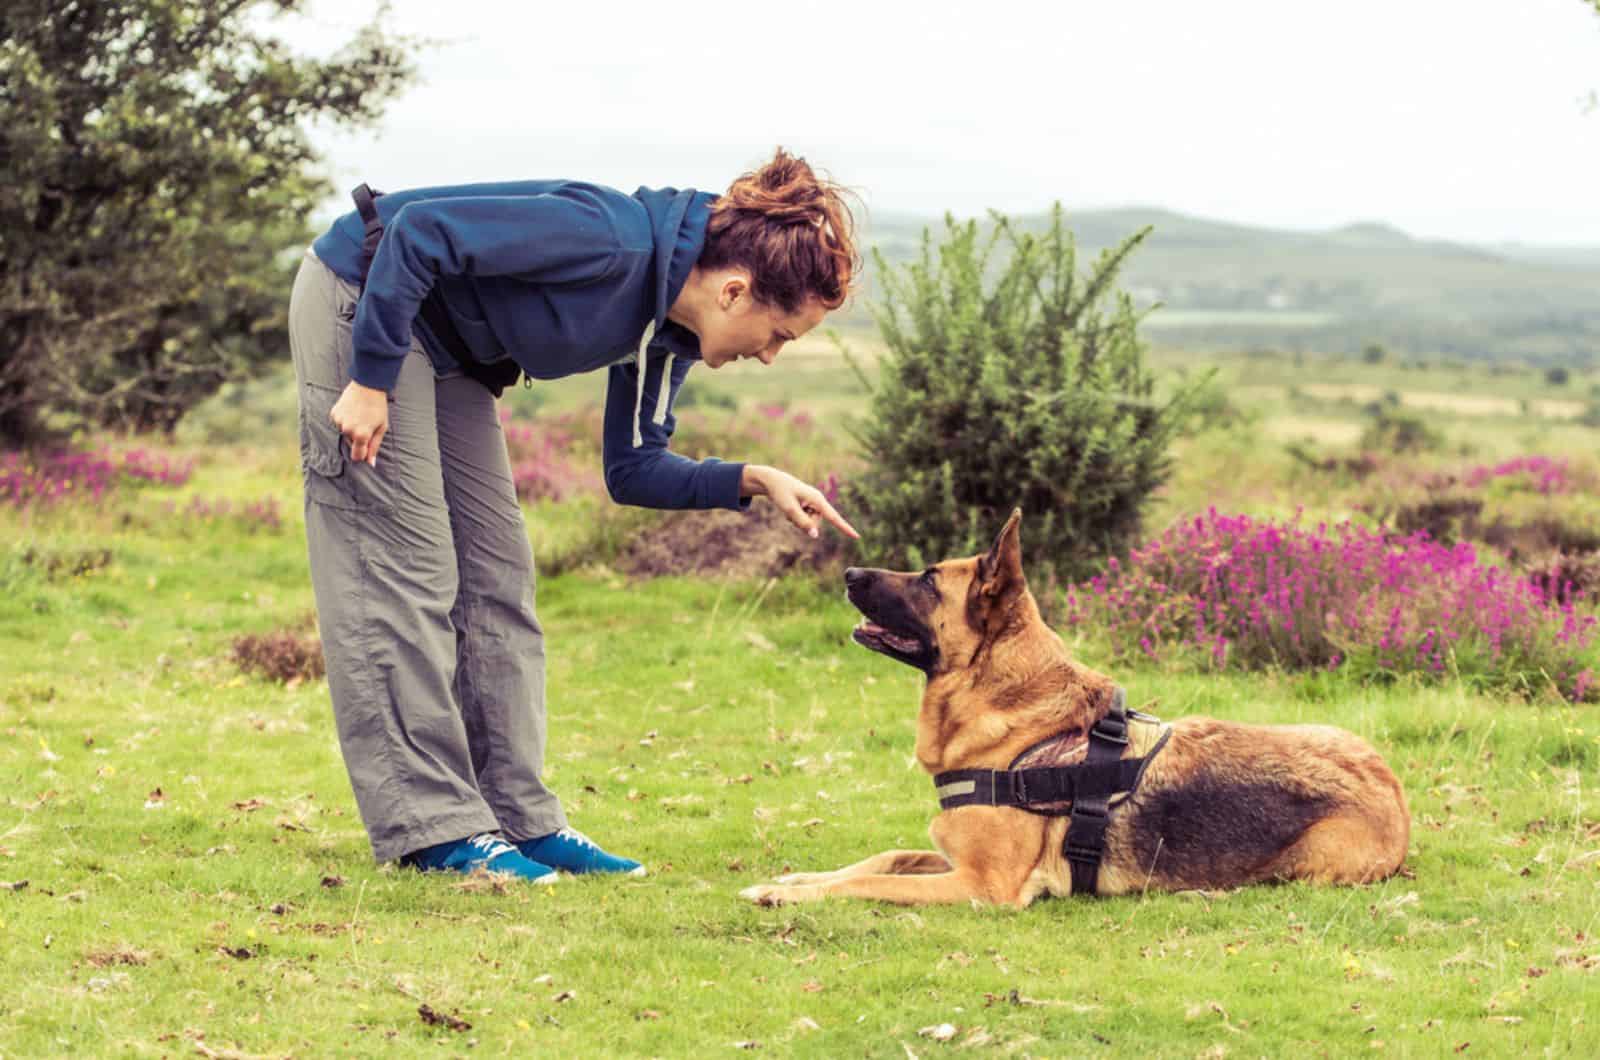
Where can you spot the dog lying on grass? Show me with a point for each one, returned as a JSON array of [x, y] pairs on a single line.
[[1213, 804]]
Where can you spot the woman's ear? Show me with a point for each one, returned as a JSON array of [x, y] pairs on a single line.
[[734, 293]]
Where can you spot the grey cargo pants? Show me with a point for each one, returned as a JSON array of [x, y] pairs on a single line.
[[424, 585]]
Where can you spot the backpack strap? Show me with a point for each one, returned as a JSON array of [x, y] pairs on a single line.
[[372, 227], [496, 376]]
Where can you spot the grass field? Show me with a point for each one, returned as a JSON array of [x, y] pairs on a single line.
[[182, 871]]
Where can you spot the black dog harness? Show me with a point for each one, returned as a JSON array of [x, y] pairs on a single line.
[[1084, 791], [496, 375]]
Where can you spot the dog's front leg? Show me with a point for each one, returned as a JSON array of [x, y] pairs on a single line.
[[958, 885], [889, 863]]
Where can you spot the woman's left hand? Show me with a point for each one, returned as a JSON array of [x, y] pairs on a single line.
[[801, 502]]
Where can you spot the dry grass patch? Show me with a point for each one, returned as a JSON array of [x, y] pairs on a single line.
[[285, 655]]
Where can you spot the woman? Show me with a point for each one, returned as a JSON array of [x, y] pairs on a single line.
[[421, 564]]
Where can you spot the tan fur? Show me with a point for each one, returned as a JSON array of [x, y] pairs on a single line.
[[1224, 804]]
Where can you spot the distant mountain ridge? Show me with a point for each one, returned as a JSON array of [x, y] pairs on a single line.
[[1225, 285]]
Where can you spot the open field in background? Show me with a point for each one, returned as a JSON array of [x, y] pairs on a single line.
[[182, 870], [1229, 286]]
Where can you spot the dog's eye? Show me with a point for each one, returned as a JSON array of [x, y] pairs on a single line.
[[928, 576]]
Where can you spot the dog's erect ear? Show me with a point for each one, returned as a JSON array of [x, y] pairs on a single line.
[[1000, 569]]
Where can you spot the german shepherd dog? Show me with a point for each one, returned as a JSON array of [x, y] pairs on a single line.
[[1220, 805]]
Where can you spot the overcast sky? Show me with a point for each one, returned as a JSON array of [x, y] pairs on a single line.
[[1454, 119]]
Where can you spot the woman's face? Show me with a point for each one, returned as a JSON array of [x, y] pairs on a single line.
[[739, 327]]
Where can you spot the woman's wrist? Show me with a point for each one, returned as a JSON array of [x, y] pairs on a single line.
[[753, 481]]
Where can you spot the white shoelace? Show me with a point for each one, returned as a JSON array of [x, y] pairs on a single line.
[[490, 846], [578, 837]]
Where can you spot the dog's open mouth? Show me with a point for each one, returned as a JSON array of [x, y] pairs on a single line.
[[871, 635]]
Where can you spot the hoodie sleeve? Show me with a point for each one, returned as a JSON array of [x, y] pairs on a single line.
[[649, 476], [557, 238]]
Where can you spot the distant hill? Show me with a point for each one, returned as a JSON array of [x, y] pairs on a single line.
[[1232, 286], [1566, 257]]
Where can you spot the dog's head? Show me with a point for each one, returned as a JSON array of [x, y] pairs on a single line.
[[941, 617]]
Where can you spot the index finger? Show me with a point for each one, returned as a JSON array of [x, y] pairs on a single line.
[[836, 519]]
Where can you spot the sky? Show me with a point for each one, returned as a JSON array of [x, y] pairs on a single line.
[[1467, 120]]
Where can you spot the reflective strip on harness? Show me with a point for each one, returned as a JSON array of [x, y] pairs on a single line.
[[955, 789]]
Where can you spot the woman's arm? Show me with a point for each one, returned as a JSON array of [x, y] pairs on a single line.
[[651, 476], [556, 238]]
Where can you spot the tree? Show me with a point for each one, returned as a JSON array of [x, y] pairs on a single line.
[[154, 166], [1012, 384]]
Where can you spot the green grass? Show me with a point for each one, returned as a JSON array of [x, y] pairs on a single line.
[[724, 733]]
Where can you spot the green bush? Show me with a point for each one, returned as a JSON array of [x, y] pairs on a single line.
[[1011, 383], [156, 161], [1399, 433]]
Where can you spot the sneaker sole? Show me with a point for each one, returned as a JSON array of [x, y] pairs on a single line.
[[549, 877]]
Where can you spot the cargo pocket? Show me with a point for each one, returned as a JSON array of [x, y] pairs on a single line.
[[322, 456]]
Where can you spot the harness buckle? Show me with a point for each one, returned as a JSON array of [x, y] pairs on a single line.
[[1098, 809], [1086, 834], [1113, 728], [1082, 856]]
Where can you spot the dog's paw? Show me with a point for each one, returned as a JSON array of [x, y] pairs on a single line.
[[761, 894], [773, 894]]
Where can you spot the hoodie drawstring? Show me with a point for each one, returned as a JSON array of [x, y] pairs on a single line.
[[663, 394]]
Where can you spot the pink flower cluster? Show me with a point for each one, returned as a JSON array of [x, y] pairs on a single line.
[[44, 479], [1547, 475], [542, 464], [778, 412], [1254, 593], [156, 467]]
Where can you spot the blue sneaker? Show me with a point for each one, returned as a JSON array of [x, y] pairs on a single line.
[[485, 851], [571, 851]]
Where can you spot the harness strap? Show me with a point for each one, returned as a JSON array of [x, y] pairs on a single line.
[[1024, 787], [497, 375], [1091, 814], [1088, 786]]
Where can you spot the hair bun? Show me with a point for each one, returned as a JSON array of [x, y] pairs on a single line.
[[791, 228]]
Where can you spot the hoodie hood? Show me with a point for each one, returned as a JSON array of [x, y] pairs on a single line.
[[678, 221]]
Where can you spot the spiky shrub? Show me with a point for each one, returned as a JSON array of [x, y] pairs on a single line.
[[1011, 381]]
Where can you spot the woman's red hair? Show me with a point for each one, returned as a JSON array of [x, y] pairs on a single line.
[[791, 230]]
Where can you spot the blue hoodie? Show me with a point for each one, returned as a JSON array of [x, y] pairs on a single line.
[[562, 277]]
